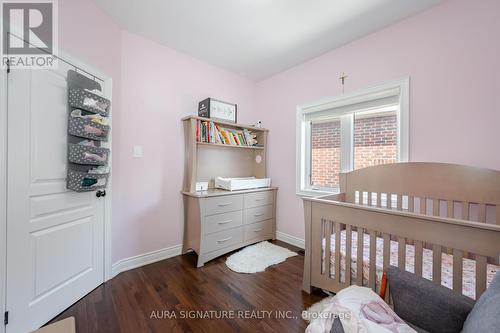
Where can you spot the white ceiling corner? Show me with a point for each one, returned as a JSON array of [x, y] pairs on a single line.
[[257, 38]]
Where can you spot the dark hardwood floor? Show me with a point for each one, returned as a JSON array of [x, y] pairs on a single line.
[[160, 297]]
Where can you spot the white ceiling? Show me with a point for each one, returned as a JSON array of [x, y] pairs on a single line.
[[257, 38]]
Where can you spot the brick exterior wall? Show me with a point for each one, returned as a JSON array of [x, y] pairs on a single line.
[[375, 142], [325, 154]]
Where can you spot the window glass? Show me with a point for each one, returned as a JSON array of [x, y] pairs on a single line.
[[325, 153], [375, 138]]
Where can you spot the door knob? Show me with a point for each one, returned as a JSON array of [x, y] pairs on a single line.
[[100, 193]]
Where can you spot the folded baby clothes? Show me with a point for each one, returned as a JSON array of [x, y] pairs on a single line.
[[77, 113], [93, 130], [95, 157], [89, 182], [95, 91], [95, 104], [100, 120], [99, 170], [87, 143]]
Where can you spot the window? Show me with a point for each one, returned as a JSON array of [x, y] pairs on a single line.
[[375, 137], [325, 153], [350, 132]]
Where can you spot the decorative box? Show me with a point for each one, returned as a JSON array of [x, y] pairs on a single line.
[[217, 110]]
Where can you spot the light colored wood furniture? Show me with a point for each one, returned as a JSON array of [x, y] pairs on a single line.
[[63, 326], [463, 223], [218, 221]]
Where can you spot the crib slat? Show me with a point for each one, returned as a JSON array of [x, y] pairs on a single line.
[[480, 275], [418, 258], [436, 264], [402, 253], [482, 212], [379, 199], [423, 206], [373, 259], [387, 251], [400, 202], [387, 260], [328, 238], [457, 270], [389, 200], [435, 207], [369, 198], [338, 240], [348, 254], [465, 210], [411, 204], [449, 206], [497, 213], [359, 260]]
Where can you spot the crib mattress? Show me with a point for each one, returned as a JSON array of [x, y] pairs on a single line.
[[469, 265]]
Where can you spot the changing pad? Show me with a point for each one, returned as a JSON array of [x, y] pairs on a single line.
[[232, 184]]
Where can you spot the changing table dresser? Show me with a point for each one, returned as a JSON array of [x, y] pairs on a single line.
[[217, 221]]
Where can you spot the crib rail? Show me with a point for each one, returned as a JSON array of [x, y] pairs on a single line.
[[436, 189], [382, 229]]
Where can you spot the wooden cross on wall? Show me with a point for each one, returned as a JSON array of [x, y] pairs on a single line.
[[342, 79]]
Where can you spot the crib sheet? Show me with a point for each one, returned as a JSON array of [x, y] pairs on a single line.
[[469, 265]]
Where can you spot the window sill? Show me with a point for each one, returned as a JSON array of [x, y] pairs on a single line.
[[315, 193]]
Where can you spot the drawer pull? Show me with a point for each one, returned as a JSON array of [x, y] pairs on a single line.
[[225, 222], [257, 215], [257, 230], [259, 199], [225, 204], [224, 240]]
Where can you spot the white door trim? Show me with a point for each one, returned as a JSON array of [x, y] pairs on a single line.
[[3, 192], [107, 90]]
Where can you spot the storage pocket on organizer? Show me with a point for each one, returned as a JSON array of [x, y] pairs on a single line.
[[85, 100], [80, 181], [87, 128], [81, 154]]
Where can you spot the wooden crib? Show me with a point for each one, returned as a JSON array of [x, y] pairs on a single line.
[[444, 218]]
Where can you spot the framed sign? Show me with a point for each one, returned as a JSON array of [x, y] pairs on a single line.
[[218, 110]]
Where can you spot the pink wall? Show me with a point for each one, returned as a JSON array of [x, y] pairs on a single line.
[[160, 86], [153, 87], [451, 55]]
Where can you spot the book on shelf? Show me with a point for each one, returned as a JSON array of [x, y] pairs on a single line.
[[210, 132]]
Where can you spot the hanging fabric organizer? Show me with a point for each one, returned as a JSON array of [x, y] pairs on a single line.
[[88, 131]]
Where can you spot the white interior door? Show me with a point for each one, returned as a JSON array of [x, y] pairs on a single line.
[[55, 252]]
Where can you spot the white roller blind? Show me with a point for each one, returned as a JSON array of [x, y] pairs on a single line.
[[362, 105]]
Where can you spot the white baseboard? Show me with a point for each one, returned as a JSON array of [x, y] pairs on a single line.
[[295, 241], [176, 250], [145, 259]]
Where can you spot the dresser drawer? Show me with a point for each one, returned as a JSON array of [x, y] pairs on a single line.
[[260, 230], [222, 239], [223, 204], [259, 199], [219, 222], [257, 214]]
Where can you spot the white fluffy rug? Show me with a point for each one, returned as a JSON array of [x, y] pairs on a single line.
[[256, 258]]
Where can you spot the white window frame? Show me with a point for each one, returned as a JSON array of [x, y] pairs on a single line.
[[400, 88]]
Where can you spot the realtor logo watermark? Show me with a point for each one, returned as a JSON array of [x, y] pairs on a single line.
[[29, 34]]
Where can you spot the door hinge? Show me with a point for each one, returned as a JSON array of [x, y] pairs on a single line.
[[6, 317], [8, 66]]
